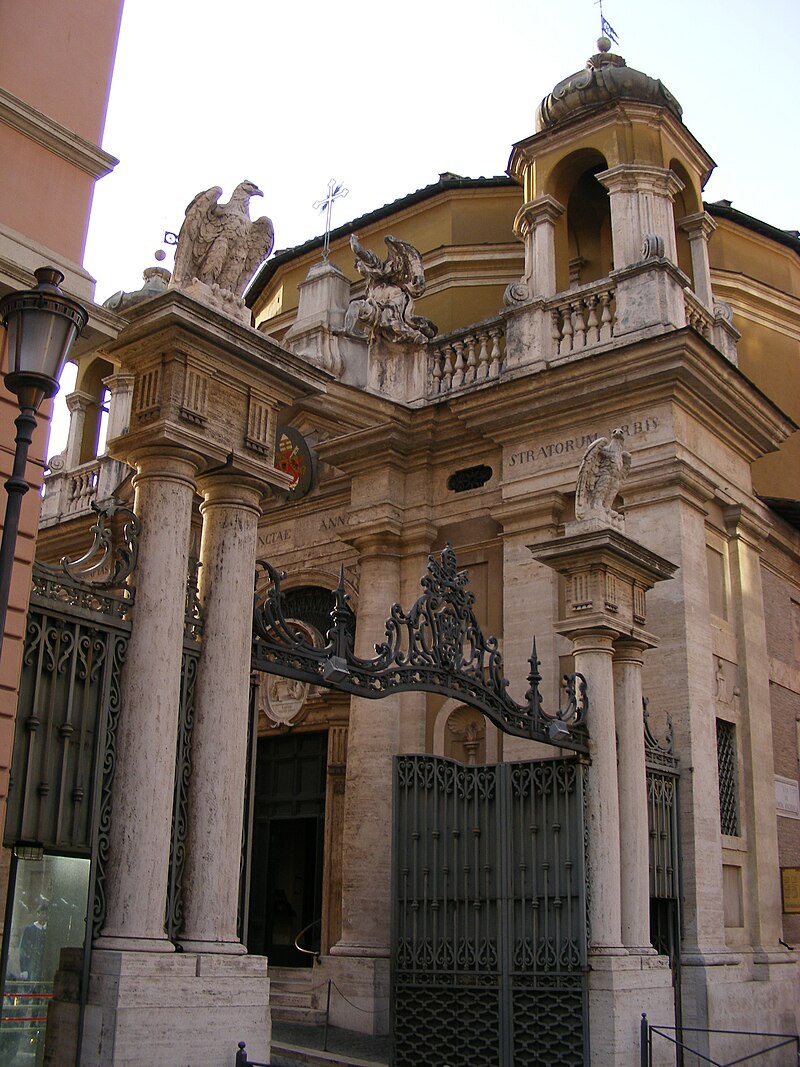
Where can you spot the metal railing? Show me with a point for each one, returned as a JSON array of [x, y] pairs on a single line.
[[242, 1060], [648, 1032], [307, 951]]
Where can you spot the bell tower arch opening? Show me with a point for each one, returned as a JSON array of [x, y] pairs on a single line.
[[583, 234]]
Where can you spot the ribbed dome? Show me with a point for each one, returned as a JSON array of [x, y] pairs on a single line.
[[605, 79]]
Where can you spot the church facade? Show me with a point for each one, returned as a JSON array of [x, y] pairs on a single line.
[[441, 378]]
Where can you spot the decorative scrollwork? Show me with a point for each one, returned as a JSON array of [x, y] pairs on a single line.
[[656, 754], [438, 646], [99, 579]]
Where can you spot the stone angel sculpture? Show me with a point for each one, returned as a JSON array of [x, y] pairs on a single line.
[[387, 309], [603, 470], [218, 244]]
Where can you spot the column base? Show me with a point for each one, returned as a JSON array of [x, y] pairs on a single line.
[[359, 991], [218, 948], [185, 1008], [620, 989], [108, 942]]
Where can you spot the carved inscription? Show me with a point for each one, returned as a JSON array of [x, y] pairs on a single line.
[[577, 444], [333, 522], [273, 537]]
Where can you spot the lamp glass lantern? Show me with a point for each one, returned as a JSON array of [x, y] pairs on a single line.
[[42, 324]]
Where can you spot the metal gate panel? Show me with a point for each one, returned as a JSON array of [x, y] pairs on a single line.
[[489, 959]]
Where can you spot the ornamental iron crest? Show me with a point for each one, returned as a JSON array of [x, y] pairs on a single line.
[[99, 579], [438, 647]]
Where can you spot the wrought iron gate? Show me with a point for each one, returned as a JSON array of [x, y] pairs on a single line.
[[489, 922]]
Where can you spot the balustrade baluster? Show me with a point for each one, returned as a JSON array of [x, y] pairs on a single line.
[[447, 375], [579, 340], [555, 318], [566, 329], [606, 324], [496, 356], [592, 325], [472, 361], [458, 373], [436, 373], [483, 357]]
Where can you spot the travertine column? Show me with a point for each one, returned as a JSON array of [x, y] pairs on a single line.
[[372, 742], [640, 197], [633, 826], [77, 404], [593, 650], [535, 225], [136, 876], [698, 228], [230, 509]]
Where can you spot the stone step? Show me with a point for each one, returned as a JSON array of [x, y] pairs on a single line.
[[284, 1055], [291, 1013], [289, 998]]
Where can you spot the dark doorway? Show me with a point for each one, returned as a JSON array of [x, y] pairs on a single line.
[[287, 857]]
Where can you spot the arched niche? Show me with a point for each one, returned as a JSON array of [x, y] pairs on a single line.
[[686, 202], [90, 381], [583, 234], [464, 734]]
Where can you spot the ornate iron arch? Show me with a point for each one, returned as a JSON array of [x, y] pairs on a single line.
[[438, 647]]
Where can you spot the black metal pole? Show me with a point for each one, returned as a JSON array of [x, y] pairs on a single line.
[[16, 487]]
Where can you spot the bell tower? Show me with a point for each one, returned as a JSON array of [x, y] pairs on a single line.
[[613, 184]]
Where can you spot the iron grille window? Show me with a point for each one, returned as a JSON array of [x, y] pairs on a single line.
[[728, 785], [469, 478]]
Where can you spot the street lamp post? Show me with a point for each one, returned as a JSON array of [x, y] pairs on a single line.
[[42, 324]]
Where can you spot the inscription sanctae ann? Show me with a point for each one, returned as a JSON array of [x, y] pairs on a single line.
[[577, 444], [274, 537]]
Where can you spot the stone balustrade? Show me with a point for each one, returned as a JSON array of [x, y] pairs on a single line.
[[698, 316], [68, 493], [583, 318], [466, 357]]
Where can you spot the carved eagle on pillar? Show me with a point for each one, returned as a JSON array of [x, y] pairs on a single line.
[[218, 244], [602, 472]]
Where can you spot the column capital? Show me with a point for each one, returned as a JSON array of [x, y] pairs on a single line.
[[79, 401], [544, 209], [629, 649], [607, 578], [640, 178], [540, 514], [119, 382], [226, 487], [596, 639], [700, 224], [168, 463], [746, 525]]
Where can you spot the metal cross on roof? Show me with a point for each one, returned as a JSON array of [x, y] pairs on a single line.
[[335, 192]]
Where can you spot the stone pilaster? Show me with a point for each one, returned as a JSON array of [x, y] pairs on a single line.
[[699, 228], [640, 197], [119, 409], [535, 226], [632, 776], [77, 405], [593, 650], [372, 742], [136, 876], [757, 789], [230, 510]]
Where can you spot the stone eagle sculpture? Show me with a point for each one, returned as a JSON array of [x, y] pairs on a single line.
[[218, 244], [392, 284], [603, 470]]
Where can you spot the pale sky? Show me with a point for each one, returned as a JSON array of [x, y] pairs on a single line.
[[383, 97]]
